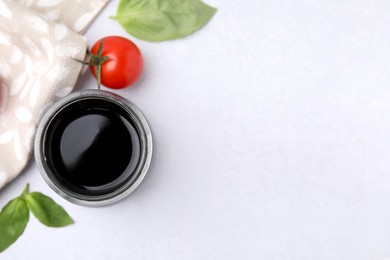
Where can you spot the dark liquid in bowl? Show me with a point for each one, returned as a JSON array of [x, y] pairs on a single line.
[[92, 147]]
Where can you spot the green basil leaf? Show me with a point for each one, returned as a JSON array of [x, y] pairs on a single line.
[[13, 220], [160, 20], [47, 211]]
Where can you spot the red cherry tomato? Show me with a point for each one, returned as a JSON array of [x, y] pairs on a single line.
[[124, 64]]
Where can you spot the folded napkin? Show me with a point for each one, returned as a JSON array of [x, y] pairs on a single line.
[[38, 48]]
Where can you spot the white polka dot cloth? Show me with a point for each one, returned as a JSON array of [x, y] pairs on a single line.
[[39, 41]]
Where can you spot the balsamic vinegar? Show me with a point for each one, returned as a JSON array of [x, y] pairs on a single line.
[[93, 147]]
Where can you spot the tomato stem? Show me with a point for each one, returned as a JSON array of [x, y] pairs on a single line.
[[96, 61]]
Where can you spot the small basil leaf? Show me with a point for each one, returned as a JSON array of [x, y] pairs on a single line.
[[13, 220], [47, 211], [160, 20]]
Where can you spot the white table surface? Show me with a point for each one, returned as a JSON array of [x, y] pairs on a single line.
[[272, 141]]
